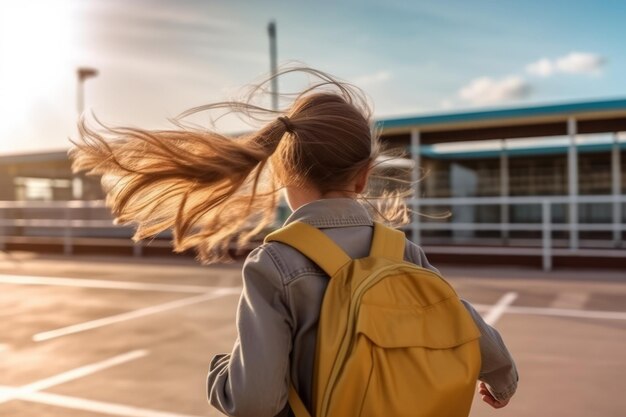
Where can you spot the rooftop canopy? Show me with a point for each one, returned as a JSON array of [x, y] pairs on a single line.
[[545, 120]]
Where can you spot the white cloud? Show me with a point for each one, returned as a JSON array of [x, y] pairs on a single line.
[[486, 90], [572, 63], [543, 68], [580, 62]]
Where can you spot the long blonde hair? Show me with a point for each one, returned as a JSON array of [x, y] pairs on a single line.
[[217, 192]]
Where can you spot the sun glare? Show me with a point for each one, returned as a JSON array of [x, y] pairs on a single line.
[[36, 48]]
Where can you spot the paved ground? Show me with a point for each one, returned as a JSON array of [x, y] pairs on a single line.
[[112, 336]]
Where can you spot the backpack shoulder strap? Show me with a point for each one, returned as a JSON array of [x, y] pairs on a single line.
[[296, 404], [387, 243], [313, 244]]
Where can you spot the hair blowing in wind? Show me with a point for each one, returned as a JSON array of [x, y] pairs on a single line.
[[217, 192]]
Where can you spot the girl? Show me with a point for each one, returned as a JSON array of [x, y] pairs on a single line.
[[216, 192]]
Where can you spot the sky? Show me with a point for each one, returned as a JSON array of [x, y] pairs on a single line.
[[157, 58]]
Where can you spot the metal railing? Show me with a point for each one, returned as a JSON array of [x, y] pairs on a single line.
[[546, 226], [62, 222]]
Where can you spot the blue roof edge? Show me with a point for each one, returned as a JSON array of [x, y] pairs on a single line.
[[507, 113], [427, 151]]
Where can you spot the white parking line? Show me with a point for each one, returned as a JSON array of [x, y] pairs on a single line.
[[83, 371], [559, 312], [9, 393], [95, 406], [32, 392], [585, 314], [500, 307], [103, 284], [105, 321]]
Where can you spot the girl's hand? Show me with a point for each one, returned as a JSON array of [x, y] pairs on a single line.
[[489, 399]]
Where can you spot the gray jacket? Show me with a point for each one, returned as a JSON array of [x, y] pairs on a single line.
[[278, 314]]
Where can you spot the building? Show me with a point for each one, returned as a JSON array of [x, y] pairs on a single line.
[[514, 170], [44, 176], [528, 180]]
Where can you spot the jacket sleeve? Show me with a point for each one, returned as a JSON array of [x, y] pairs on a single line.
[[498, 369], [253, 379]]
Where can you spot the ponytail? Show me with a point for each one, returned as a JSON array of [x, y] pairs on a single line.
[[206, 187]]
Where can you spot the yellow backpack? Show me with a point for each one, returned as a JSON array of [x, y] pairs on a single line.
[[393, 340]]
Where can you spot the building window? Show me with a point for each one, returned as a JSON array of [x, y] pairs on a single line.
[[42, 189]]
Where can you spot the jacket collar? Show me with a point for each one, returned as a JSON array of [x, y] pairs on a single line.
[[332, 212]]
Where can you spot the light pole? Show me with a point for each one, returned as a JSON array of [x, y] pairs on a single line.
[[83, 74], [271, 30]]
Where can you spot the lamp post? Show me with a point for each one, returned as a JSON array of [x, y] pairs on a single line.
[[271, 30], [83, 74]]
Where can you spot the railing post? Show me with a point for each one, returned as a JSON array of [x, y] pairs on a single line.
[[415, 177], [546, 235], [572, 174], [616, 191], [67, 232], [504, 190]]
